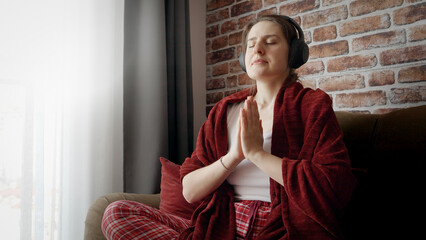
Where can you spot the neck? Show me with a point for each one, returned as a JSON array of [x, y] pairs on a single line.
[[267, 92]]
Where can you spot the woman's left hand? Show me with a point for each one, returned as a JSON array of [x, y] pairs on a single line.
[[251, 129]]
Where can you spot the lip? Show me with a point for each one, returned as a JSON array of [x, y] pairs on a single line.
[[259, 61]]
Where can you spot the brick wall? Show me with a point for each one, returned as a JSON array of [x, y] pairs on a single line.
[[368, 55]]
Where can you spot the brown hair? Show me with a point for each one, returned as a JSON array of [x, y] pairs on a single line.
[[287, 29]]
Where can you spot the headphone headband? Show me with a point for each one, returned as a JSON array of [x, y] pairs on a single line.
[[299, 30]]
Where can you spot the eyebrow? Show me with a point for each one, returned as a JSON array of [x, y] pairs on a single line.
[[266, 36]]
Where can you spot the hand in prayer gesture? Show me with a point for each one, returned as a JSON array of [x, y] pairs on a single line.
[[251, 131]]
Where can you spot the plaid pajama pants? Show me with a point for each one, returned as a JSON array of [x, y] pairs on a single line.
[[132, 220]]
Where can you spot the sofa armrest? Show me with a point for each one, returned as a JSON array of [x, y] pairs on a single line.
[[95, 214]]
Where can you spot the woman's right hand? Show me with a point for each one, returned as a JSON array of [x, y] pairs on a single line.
[[198, 184]]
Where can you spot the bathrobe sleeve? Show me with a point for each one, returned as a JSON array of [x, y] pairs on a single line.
[[317, 176]]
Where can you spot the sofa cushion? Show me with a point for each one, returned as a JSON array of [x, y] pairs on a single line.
[[172, 200]]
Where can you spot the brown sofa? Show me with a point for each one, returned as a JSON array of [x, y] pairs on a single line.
[[387, 153]]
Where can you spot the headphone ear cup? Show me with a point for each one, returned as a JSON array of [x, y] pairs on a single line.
[[298, 53], [241, 59]]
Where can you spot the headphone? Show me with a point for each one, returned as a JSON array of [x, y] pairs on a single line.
[[298, 53]]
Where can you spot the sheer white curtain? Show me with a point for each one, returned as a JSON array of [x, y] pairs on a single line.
[[61, 108]]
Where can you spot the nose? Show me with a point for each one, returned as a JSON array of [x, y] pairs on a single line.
[[258, 48]]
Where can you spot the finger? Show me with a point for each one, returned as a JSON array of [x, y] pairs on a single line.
[[260, 126], [239, 124], [239, 120], [248, 112], [243, 118], [246, 104], [239, 133], [254, 113]]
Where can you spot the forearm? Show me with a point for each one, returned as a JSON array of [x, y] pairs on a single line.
[[201, 182], [269, 164]]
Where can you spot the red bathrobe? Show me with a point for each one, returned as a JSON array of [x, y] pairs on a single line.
[[315, 166]]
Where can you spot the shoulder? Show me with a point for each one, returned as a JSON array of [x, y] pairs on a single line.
[[307, 102], [296, 94], [316, 106], [316, 97]]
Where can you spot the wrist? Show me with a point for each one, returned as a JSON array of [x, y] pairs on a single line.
[[230, 161], [256, 156], [234, 157]]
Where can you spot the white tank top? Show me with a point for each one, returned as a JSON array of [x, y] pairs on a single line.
[[249, 182]]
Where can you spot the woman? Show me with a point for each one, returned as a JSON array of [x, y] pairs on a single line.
[[270, 162]]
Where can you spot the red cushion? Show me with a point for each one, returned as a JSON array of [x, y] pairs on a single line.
[[172, 200]]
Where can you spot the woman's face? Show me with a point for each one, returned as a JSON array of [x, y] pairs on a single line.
[[267, 52]]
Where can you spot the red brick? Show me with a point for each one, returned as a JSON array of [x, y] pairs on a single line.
[[325, 33], [208, 46], [235, 67], [409, 14], [330, 2], [220, 69], [244, 79], [235, 38], [242, 21], [351, 63], [220, 42], [361, 7], [383, 39], [270, 11], [417, 33], [217, 16], [271, 2], [403, 55], [412, 74], [214, 97], [245, 7], [212, 31], [215, 83], [365, 25], [408, 95], [300, 6], [308, 83], [215, 4], [340, 83], [381, 78], [231, 81], [324, 16], [328, 49], [310, 68], [220, 55], [228, 26], [230, 92], [360, 99]]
